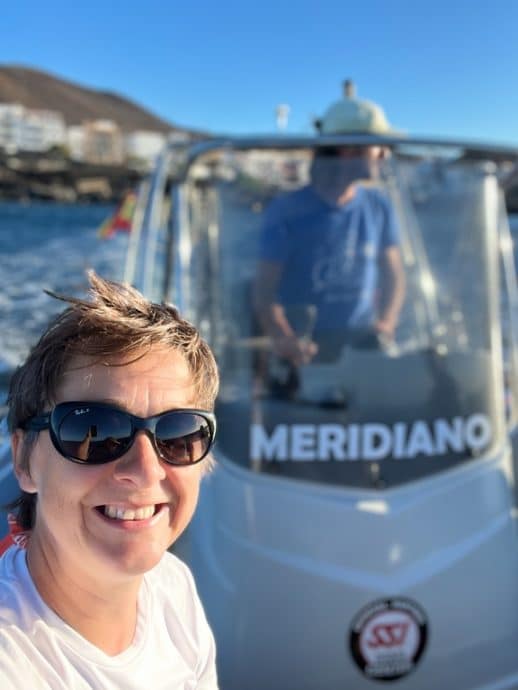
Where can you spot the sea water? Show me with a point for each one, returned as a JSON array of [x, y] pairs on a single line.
[[47, 246]]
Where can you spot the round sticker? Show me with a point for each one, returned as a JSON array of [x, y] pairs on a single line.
[[388, 638]]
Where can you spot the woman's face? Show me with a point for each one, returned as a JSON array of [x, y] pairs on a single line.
[[154, 501]]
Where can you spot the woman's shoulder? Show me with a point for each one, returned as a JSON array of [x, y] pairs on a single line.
[[20, 605]]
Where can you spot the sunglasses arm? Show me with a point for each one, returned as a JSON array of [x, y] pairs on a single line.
[[38, 423]]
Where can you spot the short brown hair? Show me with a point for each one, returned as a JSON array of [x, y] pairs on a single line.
[[116, 321]]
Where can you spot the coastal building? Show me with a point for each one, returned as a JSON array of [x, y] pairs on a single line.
[[103, 143], [11, 115], [76, 142], [143, 146], [26, 129], [280, 169], [96, 141]]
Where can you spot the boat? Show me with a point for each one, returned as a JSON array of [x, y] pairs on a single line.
[[395, 557], [360, 524]]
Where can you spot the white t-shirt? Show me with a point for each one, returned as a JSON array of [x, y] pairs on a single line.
[[173, 647]]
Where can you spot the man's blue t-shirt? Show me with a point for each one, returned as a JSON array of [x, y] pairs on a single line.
[[329, 253]]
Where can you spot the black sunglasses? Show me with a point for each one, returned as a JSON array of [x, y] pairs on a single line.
[[93, 433]]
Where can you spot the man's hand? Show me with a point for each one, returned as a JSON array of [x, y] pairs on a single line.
[[386, 327], [296, 350]]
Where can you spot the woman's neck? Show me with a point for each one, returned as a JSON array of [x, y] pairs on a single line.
[[103, 613]]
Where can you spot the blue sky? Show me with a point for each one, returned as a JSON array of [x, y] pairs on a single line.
[[441, 68]]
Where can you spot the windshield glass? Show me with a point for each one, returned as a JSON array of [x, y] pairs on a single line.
[[351, 296]]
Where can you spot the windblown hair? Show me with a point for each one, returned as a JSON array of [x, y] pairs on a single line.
[[115, 324]]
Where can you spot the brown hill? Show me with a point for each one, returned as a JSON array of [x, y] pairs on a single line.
[[36, 89]]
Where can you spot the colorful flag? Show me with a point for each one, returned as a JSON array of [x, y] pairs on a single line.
[[122, 219]]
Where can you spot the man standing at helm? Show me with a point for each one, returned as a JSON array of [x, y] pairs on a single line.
[[329, 253]]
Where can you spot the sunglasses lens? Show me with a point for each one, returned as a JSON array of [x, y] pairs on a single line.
[[94, 436], [183, 437]]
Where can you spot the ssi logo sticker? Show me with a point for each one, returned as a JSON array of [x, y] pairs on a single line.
[[388, 637]]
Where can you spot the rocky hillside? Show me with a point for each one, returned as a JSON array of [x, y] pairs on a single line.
[[36, 89]]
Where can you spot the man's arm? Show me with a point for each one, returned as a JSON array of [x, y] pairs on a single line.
[[272, 316], [392, 292]]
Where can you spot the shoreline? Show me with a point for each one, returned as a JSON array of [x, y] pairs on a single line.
[[59, 179]]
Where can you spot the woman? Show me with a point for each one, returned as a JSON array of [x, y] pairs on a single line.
[[112, 426]]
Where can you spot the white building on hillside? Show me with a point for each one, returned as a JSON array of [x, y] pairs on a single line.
[[11, 117], [99, 141], [76, 137], [25, 129], [103, 143], [144, 145]]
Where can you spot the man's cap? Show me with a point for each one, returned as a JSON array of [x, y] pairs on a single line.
[[354, 116]]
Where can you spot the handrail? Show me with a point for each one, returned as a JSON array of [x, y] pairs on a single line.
[[282, 142]]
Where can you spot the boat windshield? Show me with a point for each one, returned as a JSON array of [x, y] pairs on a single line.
[[351, 297]]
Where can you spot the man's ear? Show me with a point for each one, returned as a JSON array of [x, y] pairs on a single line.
[[22, 473]]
